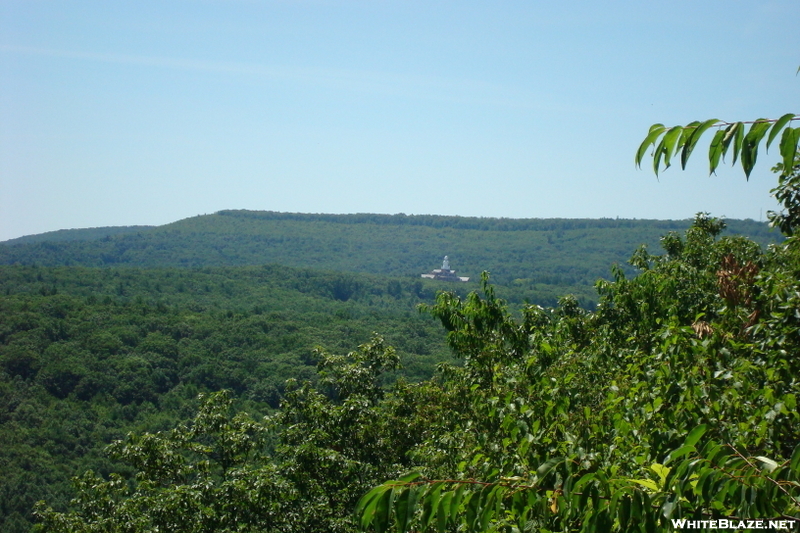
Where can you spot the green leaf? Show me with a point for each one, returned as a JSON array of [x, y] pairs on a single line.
[[583, 480], [647, 507], [431, 504], [408, 478], [636, 506], [791, 401], [657, 155], [367, 504], [738, 141], [789, 147], [602, 483], [612, 506], [749, 153], [680, 452], [661, 471], [695, 435], [706, 482], [769, 464], [548, 465], [625, 511], [443, 512], [404, 506], [472, 505], [730, 135], [715, 151], [668, 508], [686, 134], [647, 483], [691, 142], [794, 462], [655, 131], [670, 141], [444, 503], [488, 506], [412, 502], [455, 503], [777, 127], [750, 145], [382, 511]]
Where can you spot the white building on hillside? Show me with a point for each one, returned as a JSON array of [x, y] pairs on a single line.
[[444, 273]]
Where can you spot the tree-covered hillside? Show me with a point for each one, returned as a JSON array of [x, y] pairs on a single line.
[[84, 234], [87, 355], [90, 353], [674, 400], [540, 259], [672, 404]]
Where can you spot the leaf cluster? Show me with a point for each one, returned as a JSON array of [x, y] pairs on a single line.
[[668, 142], [301, 469], [675, 399]]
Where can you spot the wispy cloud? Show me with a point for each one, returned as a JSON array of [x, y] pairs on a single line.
[[437, 88]]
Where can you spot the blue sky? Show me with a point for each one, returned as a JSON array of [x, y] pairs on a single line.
[[146, 112]]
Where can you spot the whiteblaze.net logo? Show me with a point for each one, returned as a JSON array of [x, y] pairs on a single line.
[[725, 523]]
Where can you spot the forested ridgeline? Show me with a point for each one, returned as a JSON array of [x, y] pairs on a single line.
[[547, 256], [670, 405], [88, 355], [674, 399], [83, 234]]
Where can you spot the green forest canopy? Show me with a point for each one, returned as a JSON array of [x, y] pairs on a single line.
[[675, 399], [89, 354], [541, 259]]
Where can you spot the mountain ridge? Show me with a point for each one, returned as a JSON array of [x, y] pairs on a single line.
[[455, 221], [76, 234], [535, 256]]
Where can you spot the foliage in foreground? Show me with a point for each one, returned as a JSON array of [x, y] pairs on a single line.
[[667, 143], [88, 355], [676, 399], [301, 470]]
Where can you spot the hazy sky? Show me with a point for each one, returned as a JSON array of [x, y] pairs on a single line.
[[146, 112]]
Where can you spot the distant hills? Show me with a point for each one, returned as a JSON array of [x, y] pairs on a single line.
[[541, 258], [84, 234], [106, 331]]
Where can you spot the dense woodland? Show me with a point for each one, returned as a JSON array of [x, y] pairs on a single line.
[[88, 355], [539, 260], [230, 363]]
